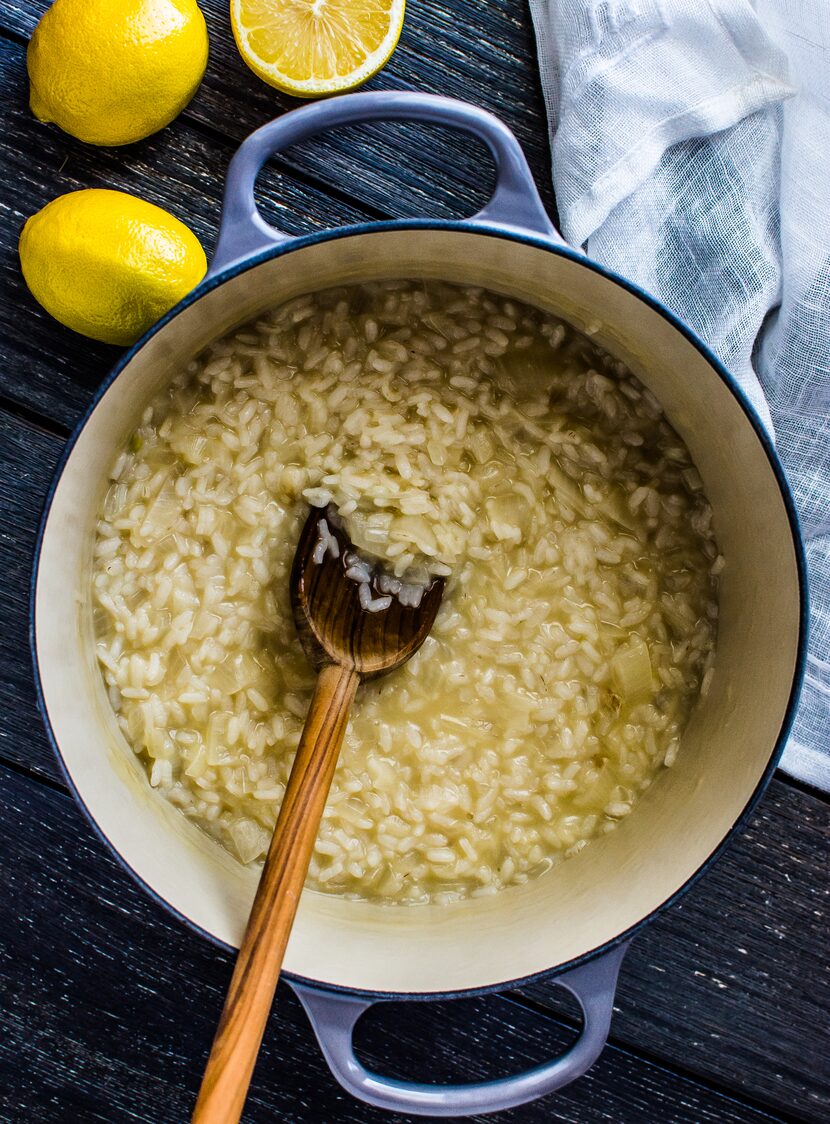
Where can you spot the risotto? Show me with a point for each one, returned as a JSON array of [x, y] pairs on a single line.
[[457, 433]]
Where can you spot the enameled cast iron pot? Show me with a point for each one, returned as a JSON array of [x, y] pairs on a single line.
[[575, 921]]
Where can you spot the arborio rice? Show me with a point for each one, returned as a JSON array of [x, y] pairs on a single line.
[[458, 433]]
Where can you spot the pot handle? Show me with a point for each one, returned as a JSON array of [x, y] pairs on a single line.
[[515, 202], [333, 1016]]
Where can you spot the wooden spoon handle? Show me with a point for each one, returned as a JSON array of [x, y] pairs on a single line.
[[251, 992]]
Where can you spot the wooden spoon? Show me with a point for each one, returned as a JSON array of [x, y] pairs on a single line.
[[347, 644]]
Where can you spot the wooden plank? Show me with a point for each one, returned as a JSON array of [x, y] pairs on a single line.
[[482, 53], [108, 1008], [44, 366], [725, 982], [27, 460]]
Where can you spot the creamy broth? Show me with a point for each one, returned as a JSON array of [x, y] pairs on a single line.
[[458, 433]]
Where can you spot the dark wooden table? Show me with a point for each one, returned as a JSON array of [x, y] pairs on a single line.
[[107, 1006]]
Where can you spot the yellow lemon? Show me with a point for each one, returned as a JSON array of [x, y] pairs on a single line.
[[114, 71], [108, 265], [315, 47]]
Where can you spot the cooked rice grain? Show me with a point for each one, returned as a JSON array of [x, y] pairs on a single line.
[[458, 433]]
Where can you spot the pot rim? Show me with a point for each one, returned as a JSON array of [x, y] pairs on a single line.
[[485, 229]]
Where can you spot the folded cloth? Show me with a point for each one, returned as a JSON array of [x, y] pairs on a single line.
[[691, 145]]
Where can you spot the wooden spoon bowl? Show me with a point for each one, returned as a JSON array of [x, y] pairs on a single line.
[[331, 622]]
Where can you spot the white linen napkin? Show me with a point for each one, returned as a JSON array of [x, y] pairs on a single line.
[[691, 153]]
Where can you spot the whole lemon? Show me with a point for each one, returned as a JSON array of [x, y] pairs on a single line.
[[114, 71], [107, 264]]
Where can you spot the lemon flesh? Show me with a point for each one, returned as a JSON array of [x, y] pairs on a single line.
[[114, 71], [107, 264], [314, 47]]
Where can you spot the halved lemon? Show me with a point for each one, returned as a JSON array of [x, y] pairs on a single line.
[[310, 48]]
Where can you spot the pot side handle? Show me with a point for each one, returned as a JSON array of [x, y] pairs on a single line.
[[333, 1017], [515, 202]]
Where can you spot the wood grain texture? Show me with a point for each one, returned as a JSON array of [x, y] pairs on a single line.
[[257, 968], [27, 461], [108, 1005]]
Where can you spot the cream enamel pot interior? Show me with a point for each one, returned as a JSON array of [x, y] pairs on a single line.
[[574, 921]]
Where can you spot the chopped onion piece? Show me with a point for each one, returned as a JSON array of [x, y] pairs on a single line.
[[162, 513], [631, 671], [236, 672], [249, 838]]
